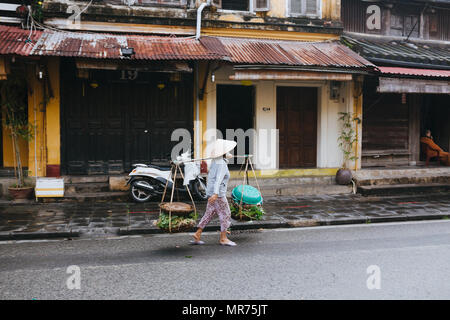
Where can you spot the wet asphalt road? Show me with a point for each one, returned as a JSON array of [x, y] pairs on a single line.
[[309, 263]]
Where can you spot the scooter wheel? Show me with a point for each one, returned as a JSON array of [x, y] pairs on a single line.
[[199, 190], [140, 195]]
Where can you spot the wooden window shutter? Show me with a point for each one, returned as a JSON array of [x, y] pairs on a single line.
[[217, 3], [311, 7], [304, 7], [261, 5], [295, 7]]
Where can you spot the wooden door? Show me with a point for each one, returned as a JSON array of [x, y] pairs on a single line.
[[297, 125], [109, 124]]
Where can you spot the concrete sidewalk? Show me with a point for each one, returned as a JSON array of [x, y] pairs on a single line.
[[31, 220]]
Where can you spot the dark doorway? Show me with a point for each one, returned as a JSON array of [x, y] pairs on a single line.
[[236, 5], [235, 110], [435, 116], [1, 140], [110, 123], [297, 124]]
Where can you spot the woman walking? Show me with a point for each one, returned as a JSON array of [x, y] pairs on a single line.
[[216, 190]]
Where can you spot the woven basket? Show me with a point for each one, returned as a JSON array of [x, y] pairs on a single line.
[[181, 227], [180, 209]]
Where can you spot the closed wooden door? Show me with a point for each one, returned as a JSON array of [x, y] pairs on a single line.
[[297, 125], [113, 124]]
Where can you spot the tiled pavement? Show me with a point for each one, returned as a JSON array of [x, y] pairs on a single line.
[[37, 220]]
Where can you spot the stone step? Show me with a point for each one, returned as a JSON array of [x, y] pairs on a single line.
[[397, 189], [267, 191], [367, 177], [91, 197], [86, 179], [285, 181], [73, 188], [413, 179], [7, 172], [301, 189]]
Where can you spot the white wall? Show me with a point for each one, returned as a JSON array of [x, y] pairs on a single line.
[[328, 126], [329, 155]]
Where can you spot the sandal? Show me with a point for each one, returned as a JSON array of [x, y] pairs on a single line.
[[196, 242], [229, 243]]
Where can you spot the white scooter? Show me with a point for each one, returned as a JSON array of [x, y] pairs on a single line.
[[148, 181]]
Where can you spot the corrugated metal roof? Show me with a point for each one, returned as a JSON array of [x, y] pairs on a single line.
[[400, 51], [236, 50], [274, 52], [107, 46], [14, 40], [415, 72]]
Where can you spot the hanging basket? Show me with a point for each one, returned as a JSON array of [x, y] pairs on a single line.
[[177, 208], [248, 212], [182, 217], [249, 195], [246, 201], [176, 216], [178, 224]]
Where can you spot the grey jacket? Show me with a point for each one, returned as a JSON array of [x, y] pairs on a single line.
[[218, 177]]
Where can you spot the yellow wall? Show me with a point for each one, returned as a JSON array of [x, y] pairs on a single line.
[[278, 8], [8, 151], [331, 10], [34, 108], [53, 117], [203, 68], [358, 113], [8, 155], [268, 34], [47, 122]]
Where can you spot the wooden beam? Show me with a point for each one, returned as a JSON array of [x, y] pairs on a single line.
[[288, 75], [4, 68], [401, 85]]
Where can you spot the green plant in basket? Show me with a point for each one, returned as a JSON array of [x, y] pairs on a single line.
[[251, 200], [177, 223], [251, 212]]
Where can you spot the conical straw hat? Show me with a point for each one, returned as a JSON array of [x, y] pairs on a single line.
[[219, 147]]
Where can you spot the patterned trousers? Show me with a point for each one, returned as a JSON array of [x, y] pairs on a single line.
[[221, 207]]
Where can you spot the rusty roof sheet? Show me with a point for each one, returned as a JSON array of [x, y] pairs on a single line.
[[290, 53], [107, 46], [147, 47], [17, 41], [415, 72]]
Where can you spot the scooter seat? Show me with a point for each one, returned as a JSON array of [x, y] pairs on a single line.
[[159, 168]]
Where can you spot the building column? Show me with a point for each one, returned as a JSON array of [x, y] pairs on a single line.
[[357, 91], [53, 130], [36, 154], [44, 114]]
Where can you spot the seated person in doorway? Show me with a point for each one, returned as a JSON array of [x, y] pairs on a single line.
[[431, 149]]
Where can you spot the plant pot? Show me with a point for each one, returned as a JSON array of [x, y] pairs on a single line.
[[343, 177], [21, 193]]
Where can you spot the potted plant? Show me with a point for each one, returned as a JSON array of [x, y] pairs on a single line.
[[14, 107], [346, 140]]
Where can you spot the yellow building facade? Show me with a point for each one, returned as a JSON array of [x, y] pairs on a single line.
[[43, 152]]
